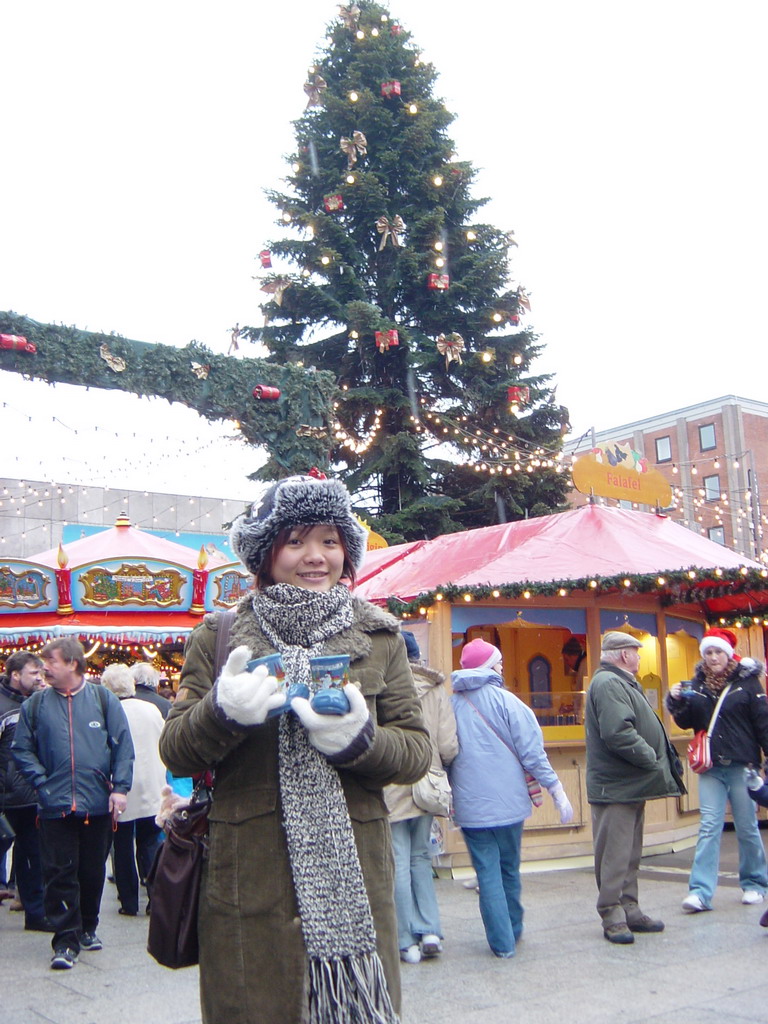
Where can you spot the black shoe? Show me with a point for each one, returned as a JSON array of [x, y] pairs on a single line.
[[618, 933], [90, 941], [63, 959], [38, 924], [127, 913], [645, 924]]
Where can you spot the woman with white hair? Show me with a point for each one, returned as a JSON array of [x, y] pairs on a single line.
[[137, 836]]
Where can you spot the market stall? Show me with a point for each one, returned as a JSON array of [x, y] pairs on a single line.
[[539, 585]]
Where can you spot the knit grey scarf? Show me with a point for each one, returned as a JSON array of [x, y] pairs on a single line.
[[346, 977]]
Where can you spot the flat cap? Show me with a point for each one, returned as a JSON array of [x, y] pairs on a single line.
[[615, 641]]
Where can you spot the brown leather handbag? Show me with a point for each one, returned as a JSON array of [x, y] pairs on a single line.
[[173, 884]]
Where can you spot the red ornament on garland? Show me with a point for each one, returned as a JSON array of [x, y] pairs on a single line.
[[265, 391], [518, 394], [390, 89], [17, 343], [396, 30], [438, 282], [386, 338], [333, 203], [266, 258]]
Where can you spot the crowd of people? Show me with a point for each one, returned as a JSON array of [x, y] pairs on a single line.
[[319, 880]]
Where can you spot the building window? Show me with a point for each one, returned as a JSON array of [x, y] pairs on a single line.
[[707, 437], [717, 534], [663, 449], [712, 488]]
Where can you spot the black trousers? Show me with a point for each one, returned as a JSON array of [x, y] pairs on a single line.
[[74, 852], [26, 861], [147, 838]]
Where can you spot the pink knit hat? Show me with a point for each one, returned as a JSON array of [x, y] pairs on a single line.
[[480, 654]]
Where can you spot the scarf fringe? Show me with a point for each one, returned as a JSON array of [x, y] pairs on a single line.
[[349, 990]]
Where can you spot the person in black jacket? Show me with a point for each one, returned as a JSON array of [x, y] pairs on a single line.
[[74, 747], [23, 675], [739, 733]]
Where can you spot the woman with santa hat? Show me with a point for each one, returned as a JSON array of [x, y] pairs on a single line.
[[739, 733]]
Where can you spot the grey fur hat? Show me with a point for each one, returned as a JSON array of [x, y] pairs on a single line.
[[297, 501]]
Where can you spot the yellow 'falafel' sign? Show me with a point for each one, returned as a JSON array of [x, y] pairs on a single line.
[[618, 471]]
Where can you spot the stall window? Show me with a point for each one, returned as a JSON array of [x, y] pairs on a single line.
[[707, 437], [663, 449], [717, 534], [540, 682]]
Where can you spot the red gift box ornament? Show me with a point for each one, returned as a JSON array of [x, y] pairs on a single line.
[[391, 88], [16, 343], [386, 338], [438, 282], [333, 203], [265, 391], [266, 258], [518, 394]]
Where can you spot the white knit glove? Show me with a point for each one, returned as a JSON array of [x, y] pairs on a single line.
[[754, 779], [562, 803], [330, 734], [246, 697]]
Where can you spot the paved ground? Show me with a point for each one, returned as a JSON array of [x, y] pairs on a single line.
[[703, 969]]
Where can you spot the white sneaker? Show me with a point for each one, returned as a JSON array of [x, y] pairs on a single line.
[[692, 904], [431, 945], [752, 897], [412, 955]]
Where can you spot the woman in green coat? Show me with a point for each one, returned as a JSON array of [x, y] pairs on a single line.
[[297, 920]]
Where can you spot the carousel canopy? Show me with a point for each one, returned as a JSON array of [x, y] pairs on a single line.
[[590, 548], [125, 541]]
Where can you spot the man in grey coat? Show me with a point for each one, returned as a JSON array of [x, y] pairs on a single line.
[[629, 760]]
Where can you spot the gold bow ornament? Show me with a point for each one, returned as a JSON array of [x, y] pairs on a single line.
[[350, 15], [358, 144], [201, 370], [276, 287], [314, 87], [390, 229], [113, 362], [451, 347], [316, 432]]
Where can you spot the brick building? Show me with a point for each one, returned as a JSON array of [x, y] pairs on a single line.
[[715, 457]]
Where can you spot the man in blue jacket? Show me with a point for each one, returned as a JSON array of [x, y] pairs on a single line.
[[73, 746]]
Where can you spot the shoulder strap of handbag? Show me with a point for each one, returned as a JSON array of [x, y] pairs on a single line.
[[495, 733], [225, 622], [716, 712], [204, 782]]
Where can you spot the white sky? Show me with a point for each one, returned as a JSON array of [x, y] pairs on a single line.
[[623, 142]]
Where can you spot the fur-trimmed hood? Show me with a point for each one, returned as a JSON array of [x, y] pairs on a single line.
[[355, 641]]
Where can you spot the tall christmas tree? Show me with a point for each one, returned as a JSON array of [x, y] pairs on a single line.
[[397, 287]]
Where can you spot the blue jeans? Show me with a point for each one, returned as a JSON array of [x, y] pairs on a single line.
[[495, 854], [717, 786], [415, 900]]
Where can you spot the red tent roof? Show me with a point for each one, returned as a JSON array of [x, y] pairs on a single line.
[[586, 542], [111, 627], [125, 541]]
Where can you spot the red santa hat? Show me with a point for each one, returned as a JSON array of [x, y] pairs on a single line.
[[723, 639], [480, 654]]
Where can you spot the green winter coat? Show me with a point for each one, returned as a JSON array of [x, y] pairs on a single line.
[[629, 757], [252, 957]]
